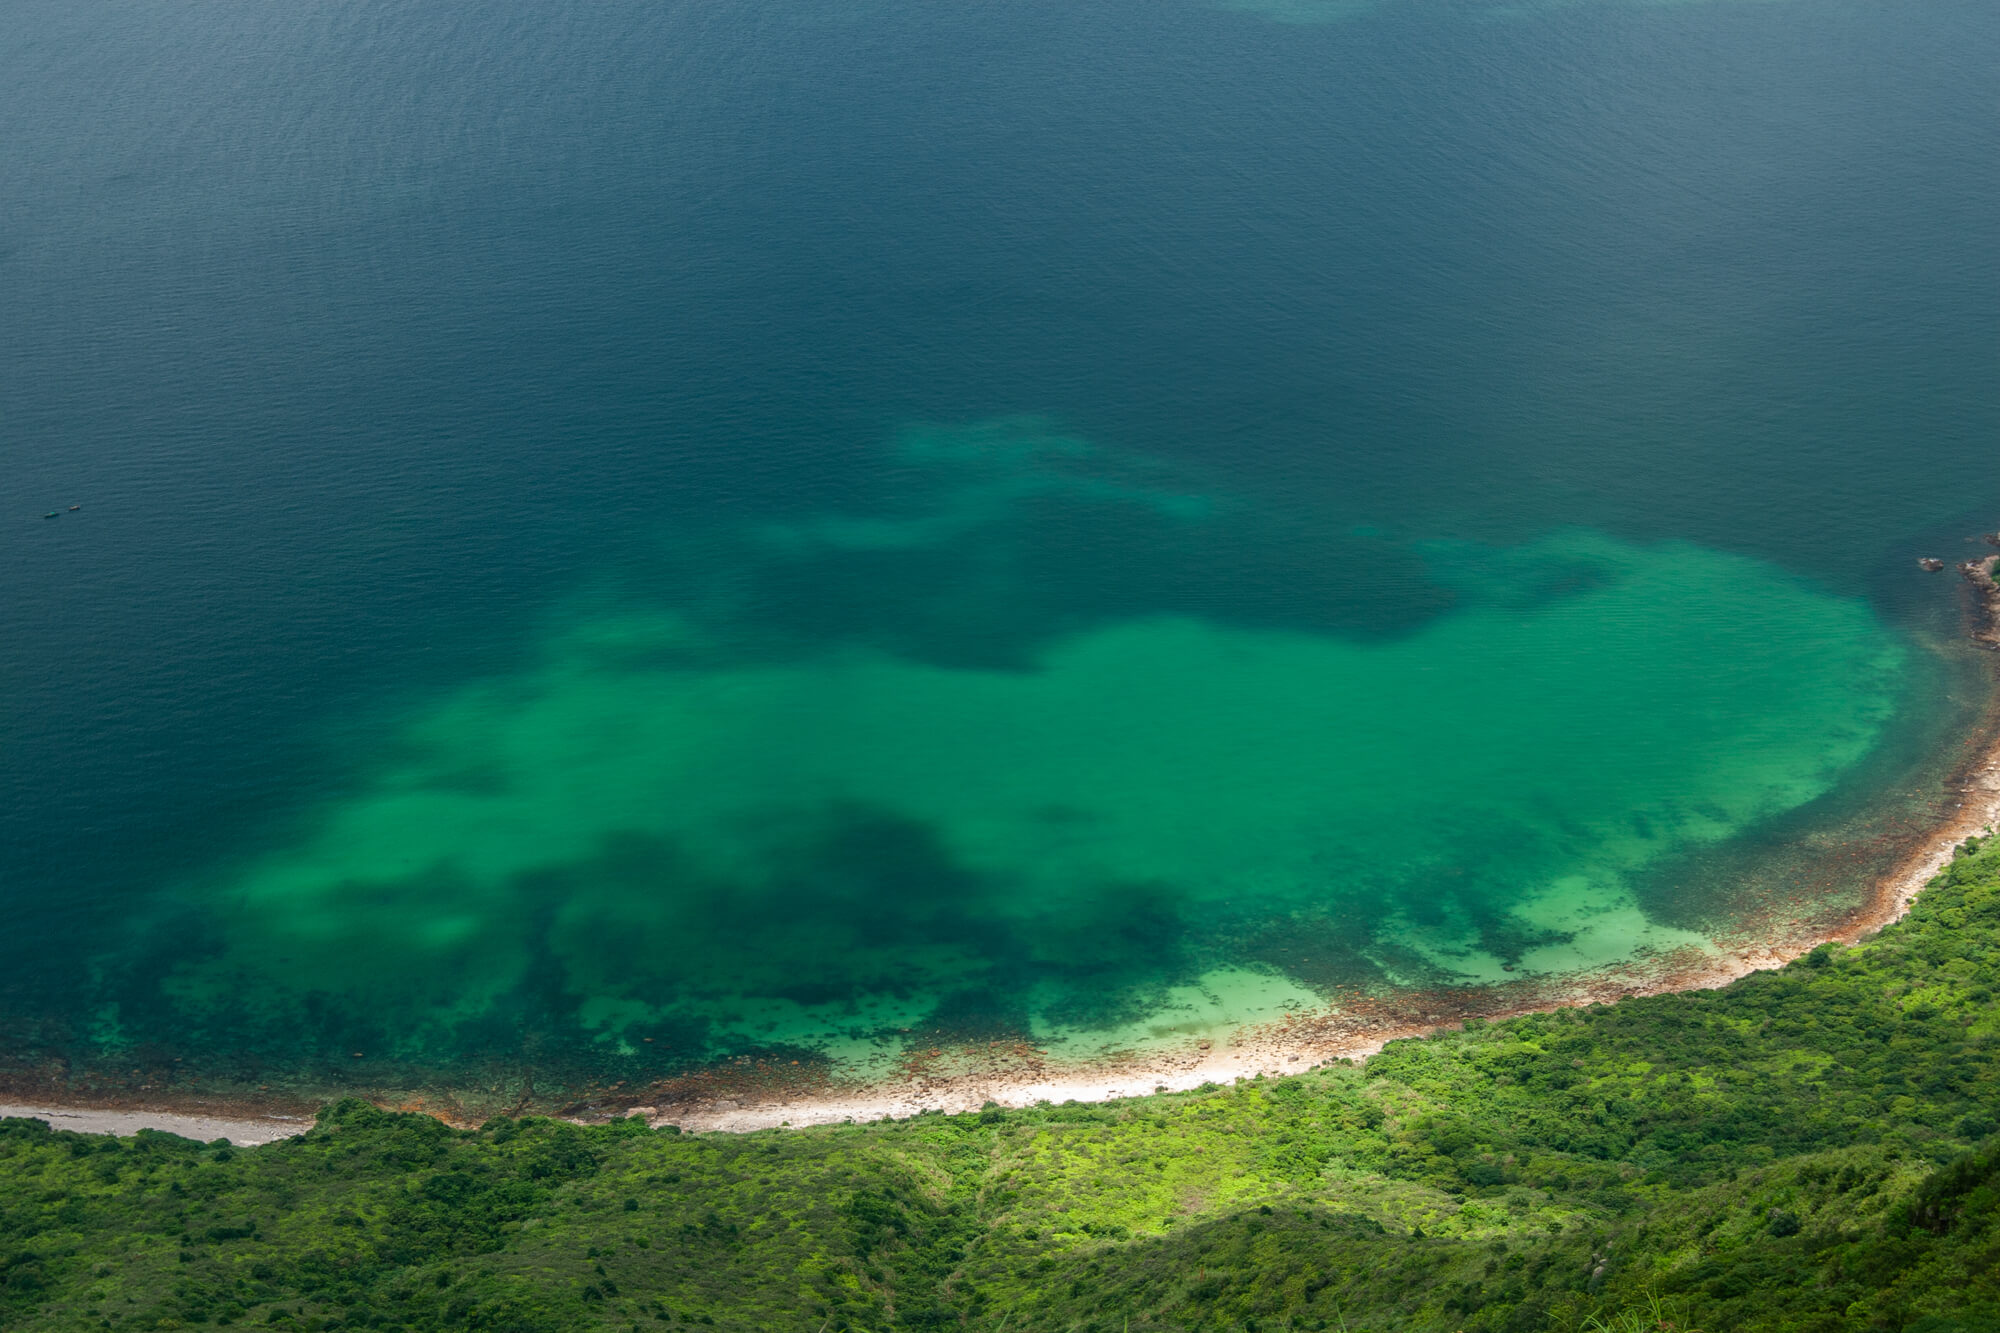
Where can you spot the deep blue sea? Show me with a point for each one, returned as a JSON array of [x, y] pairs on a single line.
[[647, 531]]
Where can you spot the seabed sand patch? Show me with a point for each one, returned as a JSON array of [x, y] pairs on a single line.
[[1320, 1034], [689, 840]]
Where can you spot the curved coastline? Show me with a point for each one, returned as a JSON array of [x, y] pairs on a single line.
[[964, 1077], [957, 1081], [1017, 1075]]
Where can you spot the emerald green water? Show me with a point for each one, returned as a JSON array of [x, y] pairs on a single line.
[[706, 840]]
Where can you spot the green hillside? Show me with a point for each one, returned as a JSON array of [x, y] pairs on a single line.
[[1810, 1149]]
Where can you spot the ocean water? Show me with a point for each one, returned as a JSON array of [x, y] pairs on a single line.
[[614, 537]]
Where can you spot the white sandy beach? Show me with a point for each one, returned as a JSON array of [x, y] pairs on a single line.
[[207, 1128]]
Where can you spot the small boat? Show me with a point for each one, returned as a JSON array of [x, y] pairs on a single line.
[[74, 508], [52, 514]]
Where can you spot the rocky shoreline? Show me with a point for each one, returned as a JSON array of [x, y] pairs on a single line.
[[1986, 596]]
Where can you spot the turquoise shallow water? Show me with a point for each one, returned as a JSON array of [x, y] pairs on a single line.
[[614, 538], [703, 836]]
